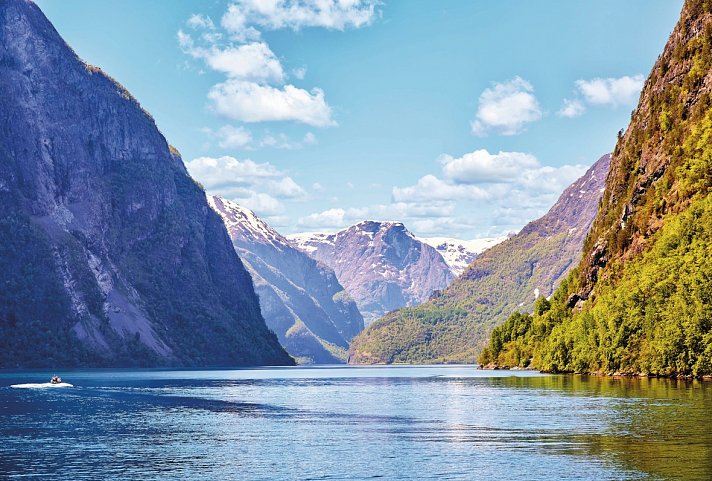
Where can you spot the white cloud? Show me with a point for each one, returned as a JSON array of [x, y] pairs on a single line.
[[482, 167], [281, 141], [255, 89], [200, 21], [287, 188], [412, 214], [431, 188], [329, 218], [230, 137], [253, 61], [260, 203], [297, 14], [299, 73], [506, 108], [258, 186], [251, 102], [489, 184], [213, 171], [571, 108], [309, 139], [611, 91]]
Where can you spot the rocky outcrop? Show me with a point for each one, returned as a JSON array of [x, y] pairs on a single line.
[[110, 254], [301, 298], [453, 326], [381, 264]]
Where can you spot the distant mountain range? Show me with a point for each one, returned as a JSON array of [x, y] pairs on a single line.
[[458, 254], [301, 298], [381, 264], [109, 253], [453, 326]]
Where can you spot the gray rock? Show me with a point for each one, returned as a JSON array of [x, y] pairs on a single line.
[[301, 298], [110, 254], [381, 264]]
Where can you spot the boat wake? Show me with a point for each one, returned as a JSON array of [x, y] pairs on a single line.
[[41, 385]]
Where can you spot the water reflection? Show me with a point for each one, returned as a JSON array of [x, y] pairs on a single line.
[[345, 423]]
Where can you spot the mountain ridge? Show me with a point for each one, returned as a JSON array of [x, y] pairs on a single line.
[[452, 326], [110, 254], [301, 299], [381, 264]]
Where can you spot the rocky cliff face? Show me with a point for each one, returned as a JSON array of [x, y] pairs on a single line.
[[381, 264], [110, 254], [301, 298], [640, 302], [454, 324]]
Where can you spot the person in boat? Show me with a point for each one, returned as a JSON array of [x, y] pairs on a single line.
[[56, 380]]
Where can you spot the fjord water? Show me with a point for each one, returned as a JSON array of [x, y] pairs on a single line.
[[353, 423]]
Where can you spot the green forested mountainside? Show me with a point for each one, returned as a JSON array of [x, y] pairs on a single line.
[[641, 300], [454, 324]]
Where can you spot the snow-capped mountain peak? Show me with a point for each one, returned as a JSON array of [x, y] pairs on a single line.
[[458, 254], [242, 221]]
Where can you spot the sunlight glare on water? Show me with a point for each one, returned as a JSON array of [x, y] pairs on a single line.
[[353, 423]]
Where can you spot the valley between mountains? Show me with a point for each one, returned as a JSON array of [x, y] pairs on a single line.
[[113, 255]]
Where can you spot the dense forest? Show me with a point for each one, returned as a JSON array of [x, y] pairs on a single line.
[[640, 302]]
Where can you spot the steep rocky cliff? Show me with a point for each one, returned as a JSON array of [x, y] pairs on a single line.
[[640, 302], [301, 299], [453, 325], [110, 254], [381, 264]]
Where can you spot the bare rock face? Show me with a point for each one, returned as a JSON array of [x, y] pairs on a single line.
[[381, 264], [110, 254], [301, 298]]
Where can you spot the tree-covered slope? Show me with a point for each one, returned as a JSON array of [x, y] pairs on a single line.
[[641, 300], [454, 324], [109, 253]]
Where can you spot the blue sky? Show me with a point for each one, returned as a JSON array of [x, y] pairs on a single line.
[[459, 118]]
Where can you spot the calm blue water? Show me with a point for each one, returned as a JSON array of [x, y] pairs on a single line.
[[353, 423]]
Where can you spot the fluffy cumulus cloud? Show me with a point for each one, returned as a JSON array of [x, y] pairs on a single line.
[[258, 186], [430, 188], [481, 167], [432, 213], [297, 14], [230, 137], [610, 92], [506, 108], [571, 108], [256, 88], [200, 21], [493, 184], [329, 219], [252, 102], [495, 193]]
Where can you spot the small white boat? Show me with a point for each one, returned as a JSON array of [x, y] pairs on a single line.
[[40, 385], [56, 381]]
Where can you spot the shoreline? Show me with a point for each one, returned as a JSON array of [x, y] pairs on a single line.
[[614, 375]]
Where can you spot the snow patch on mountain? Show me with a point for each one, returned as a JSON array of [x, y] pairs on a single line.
[[458, 253]]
